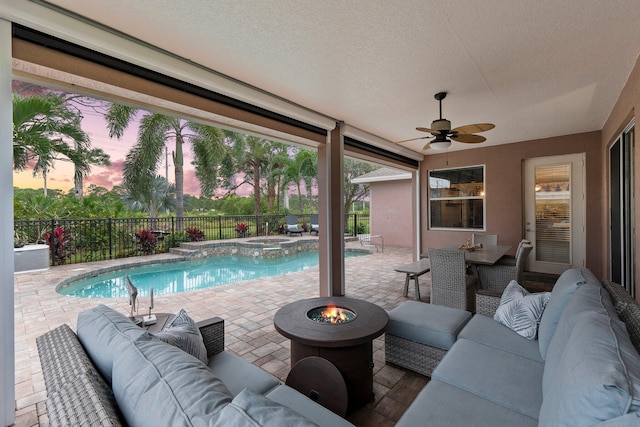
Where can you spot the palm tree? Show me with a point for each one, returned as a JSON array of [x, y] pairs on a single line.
[[45, 130], [275, 171], [160, 198], [303, 167], [155, 131], [250, 155]]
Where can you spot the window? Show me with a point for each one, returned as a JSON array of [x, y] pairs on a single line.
[[456, 198]]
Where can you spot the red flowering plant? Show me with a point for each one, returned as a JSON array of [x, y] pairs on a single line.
[[146, 241], [59, 242], [195, 234], [242, 229]]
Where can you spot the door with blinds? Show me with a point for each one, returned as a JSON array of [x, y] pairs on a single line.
[[555, 212]]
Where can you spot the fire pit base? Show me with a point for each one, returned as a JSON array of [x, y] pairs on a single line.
[[320, 380], [348, 346], [355, 363]]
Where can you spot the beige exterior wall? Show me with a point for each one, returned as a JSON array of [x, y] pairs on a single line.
[[391, 212], [504, 190]]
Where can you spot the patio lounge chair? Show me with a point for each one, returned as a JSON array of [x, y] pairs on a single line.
[[315, 227], [292, 225]]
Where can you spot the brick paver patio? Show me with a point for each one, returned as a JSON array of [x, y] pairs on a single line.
[[247, 308]]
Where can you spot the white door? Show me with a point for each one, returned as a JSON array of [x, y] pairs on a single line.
[[554, 217]]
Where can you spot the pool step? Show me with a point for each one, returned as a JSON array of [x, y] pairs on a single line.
[[184, 252]]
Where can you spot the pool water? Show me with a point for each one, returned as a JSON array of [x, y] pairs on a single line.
[[185, 276]]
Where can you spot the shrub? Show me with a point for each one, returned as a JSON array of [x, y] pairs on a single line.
[[60, 242], [195, 234], [242, 229], [146, 241], [174, 240]]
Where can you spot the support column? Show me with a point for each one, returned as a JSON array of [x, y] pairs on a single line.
[[331, 214], [416, 216], [7, 354]]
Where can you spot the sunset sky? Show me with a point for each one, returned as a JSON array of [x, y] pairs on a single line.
[[61, 177]]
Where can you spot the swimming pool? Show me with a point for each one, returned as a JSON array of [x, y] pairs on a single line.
[[185, 276]]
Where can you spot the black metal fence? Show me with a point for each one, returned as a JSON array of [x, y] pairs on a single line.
[[83, 240]]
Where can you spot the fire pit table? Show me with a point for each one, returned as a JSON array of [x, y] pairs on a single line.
[[339, 330]]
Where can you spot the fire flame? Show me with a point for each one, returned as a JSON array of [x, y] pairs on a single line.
[[334, 314]]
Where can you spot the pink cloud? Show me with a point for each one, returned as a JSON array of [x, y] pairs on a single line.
[[191, 183], [107, 177]]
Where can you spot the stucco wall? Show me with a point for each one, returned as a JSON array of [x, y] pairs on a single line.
[[504, 189], [391, 212]]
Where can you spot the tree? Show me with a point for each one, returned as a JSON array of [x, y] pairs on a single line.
[[250, 157], [156, 130], [45, 130], [354, 192], [303, 167], [160, 198], [91, 156], [275, 170]]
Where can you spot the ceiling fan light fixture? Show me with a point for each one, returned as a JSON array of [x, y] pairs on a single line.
[[440, 145], [441, 125]]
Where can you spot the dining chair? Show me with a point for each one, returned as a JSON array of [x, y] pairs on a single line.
[[511, 259], [485, 239], [496, 277], [450, 285]]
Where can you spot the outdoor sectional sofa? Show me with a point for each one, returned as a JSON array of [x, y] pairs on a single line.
[[583, 369], [115, 373]]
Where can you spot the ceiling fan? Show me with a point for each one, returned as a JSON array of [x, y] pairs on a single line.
[[441, 131]]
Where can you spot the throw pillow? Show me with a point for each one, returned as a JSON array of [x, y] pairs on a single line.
[[521, 311], [183, 333]]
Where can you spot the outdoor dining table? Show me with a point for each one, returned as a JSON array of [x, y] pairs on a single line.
[[486, 255]]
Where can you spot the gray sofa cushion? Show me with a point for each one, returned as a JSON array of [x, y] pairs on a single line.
[[588, 299], [565, 286], [434, 325], [320, 415], [443, 405], [628, 420], [605, 384], [252, 409], [158, 384], [237, 374], [102, 332], [485, 330], [506, 379]]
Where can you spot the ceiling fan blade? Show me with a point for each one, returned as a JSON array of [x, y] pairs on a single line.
[[468, 138], [427, 146], [475, 128], [412, 139], [433, 131]]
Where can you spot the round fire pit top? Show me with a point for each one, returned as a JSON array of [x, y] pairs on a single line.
[[293, 322], [331, 314]]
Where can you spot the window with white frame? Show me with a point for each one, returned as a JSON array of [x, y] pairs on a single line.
[[457, 198]]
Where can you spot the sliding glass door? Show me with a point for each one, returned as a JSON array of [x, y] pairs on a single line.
[[621, 209]]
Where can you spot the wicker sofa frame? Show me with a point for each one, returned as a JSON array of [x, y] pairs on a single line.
[[423, 358], [418, 357], [76, 393]]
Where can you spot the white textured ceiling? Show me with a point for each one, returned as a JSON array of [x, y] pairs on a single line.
[[534, 68]]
